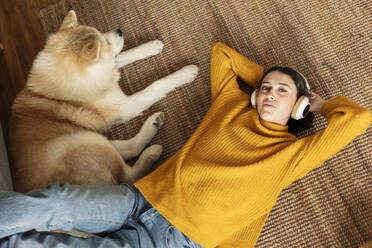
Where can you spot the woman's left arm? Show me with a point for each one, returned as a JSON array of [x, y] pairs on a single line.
[[226, 65], [346, 120]]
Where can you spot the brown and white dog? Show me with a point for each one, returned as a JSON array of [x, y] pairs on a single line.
[[72, 94]]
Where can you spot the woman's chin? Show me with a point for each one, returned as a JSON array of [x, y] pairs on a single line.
[[267, 117], [270, 118]]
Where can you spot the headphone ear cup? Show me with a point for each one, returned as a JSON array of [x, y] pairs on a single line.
[[301, 108], [253, 99]]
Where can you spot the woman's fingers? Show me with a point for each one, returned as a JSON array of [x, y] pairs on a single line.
[[310, 94], [316, 101]]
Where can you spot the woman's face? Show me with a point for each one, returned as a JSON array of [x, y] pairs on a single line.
[[276, 97]]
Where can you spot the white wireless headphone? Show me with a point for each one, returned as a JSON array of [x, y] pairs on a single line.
[[301, 107]]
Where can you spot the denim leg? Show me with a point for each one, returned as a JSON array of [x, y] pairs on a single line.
[[93, 209], [141, 226], [164, 234], [124, 238], [149, 230]]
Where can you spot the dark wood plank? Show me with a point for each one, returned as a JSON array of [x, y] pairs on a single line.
[[21, 37]]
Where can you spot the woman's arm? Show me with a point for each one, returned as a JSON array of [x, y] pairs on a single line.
[[346, 121], [226, 65]]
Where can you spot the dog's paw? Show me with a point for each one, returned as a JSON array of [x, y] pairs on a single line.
[[153, 152], [187, 74], [156, 121], [154, 47], [159, 120], [191, 69]]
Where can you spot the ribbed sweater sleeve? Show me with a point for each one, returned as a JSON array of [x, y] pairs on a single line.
[[227, 64], [346, 120]]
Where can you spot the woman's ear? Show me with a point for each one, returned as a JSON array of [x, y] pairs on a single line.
[[69, 21]]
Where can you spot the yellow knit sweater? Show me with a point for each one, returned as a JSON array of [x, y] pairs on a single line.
[[219, 188]]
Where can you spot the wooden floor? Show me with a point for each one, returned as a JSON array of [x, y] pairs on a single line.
[[20, 34]]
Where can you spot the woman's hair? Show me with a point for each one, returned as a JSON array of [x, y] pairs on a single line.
[[294, 126]]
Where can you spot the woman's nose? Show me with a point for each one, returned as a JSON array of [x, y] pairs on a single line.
[[271, 95]]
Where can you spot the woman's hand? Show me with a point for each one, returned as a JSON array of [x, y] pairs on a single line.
[[316, 101]]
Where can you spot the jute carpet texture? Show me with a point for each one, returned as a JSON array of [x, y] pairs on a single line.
[[328, 41]]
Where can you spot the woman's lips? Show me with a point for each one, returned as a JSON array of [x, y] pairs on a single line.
[[268, 105]]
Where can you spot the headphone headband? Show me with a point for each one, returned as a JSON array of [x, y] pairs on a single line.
[[304, 78]]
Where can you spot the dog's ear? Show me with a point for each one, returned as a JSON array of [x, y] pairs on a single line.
[[92, 50], [69, 21]]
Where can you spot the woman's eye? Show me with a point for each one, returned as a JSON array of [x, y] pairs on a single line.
[[264, 88]]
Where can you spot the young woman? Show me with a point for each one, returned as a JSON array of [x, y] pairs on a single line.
[[217, 190]]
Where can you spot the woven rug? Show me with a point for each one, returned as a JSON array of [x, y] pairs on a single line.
[[328, 41]]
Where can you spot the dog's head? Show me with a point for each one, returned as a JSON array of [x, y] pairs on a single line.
[[77, 61], [84, 43]]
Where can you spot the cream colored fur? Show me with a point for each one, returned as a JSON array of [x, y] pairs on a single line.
[[71, 96]]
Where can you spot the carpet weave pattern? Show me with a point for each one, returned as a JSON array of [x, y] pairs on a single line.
[[328, 41]]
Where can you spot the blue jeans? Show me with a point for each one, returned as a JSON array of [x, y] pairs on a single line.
[[119, 213]]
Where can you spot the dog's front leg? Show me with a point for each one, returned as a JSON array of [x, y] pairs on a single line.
[[142, 51], [140, 101], [134, 146]]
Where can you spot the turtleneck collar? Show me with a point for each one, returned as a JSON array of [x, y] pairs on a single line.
[[269, 126], [273, 126]]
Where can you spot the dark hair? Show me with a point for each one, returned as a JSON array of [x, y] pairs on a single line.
[[294, 126]]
